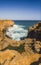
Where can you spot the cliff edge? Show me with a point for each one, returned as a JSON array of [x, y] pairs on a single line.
[[23, 52]]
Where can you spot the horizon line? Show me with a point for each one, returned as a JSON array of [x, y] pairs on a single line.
[[22, 19]]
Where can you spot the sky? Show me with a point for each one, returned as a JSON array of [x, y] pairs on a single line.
[[20, 9]]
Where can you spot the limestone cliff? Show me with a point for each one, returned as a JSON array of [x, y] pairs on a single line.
[[4, 24], [24, 52], [12, 57]]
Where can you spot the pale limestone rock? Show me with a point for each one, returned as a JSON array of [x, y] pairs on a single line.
[[11, 57]]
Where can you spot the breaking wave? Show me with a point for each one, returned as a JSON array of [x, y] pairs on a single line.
[[17, 32]]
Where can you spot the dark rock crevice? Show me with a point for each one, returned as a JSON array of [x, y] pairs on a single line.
[[20, 49]]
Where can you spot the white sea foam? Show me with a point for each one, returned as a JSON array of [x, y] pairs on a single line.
[[16, 32]]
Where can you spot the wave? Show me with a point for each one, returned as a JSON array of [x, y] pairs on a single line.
[[17, 32]]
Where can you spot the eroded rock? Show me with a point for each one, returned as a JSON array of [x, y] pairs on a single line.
[[31, 46], [11, 57], [35, 32]]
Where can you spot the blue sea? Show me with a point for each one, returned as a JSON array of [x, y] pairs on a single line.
[[26, 23], [20, 29]]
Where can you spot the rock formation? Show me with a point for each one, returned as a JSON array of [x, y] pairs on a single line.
[[3, 26], [24, 52], [35, 32], [12, 57]]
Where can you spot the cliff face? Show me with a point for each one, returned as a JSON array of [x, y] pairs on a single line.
[[33, 40], [23, 52], [4, 24], [35, 32]]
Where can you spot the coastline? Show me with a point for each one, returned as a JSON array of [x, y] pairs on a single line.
[[25, 51]]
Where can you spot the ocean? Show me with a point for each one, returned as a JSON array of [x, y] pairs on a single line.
[[20, 29], [26, 23]]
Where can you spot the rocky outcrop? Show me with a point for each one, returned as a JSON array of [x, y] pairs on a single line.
[[5, 40], [35, 32], [33, 41], [32, 46], [23, 52], [4, 24], [11, 57]]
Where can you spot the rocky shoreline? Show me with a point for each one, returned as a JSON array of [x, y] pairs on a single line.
[[22, 52]]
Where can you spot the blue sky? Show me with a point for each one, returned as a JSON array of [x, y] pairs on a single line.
[[20, 9]]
